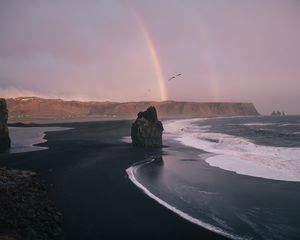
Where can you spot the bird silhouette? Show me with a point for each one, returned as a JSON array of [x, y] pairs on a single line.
[[175, 76]]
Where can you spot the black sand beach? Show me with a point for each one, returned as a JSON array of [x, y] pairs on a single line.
[[84, 171]]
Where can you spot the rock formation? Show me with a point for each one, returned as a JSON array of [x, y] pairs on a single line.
[[4, 135], [277, 113], [147, 130], [26, 212]]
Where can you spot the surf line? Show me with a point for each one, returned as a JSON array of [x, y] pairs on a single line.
[[130, 172]]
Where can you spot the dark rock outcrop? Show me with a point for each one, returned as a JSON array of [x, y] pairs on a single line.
[[277, 113], [26, 212], [4, 135], [147, 130]]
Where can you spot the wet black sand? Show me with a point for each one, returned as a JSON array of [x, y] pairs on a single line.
[[84, 172]]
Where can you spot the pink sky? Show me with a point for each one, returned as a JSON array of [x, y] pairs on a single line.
[[227, 50]]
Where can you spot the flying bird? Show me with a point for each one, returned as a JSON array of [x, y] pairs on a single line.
[[175, 76]]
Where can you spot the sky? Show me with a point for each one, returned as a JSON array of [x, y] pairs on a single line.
[[126, 50]]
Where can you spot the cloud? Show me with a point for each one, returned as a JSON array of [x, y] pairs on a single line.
[[13, 92]]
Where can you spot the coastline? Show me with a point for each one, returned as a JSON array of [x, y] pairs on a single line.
[[186, 175], [84, 171], [26, 139], [130, 171], [238, 154]]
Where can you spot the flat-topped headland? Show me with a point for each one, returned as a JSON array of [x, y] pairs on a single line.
[[28, 108]]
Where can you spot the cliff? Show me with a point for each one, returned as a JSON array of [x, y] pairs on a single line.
[[4, 135], [38, 108]]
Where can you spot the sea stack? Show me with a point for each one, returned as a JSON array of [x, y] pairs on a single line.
[[4, 135], [147, 130]]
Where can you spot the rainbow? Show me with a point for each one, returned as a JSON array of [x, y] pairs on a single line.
[[207, 53], [202, 35], [156, 64], [153, 55]]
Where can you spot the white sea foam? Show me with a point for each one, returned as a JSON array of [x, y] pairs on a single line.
[[126, 139], [238, 154], [131, 174], [23, 139], [289, 124], [257, 124]]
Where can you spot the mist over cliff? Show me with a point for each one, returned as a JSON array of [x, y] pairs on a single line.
[[26, 108]]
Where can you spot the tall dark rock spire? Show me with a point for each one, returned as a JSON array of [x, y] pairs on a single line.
[[4, 135], [146, 131]]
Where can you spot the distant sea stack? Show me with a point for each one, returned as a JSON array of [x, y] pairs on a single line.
[[4, 134], [277, 113], [147, 130], [33, 108]]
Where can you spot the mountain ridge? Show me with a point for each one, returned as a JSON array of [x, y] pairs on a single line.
[[27, 108]]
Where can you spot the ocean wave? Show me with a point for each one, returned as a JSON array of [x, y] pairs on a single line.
[[238, 154], [289, 124], [273, 133], [131, 171], [257, 124], [126, 139]]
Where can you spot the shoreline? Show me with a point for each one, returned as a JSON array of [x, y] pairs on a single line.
[[27, 122], [130, 172], [231, 187], [34, 135], [84, 171], [249, 158]]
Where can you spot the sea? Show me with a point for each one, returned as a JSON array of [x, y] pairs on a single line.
[[24, 139], [236, 176]]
